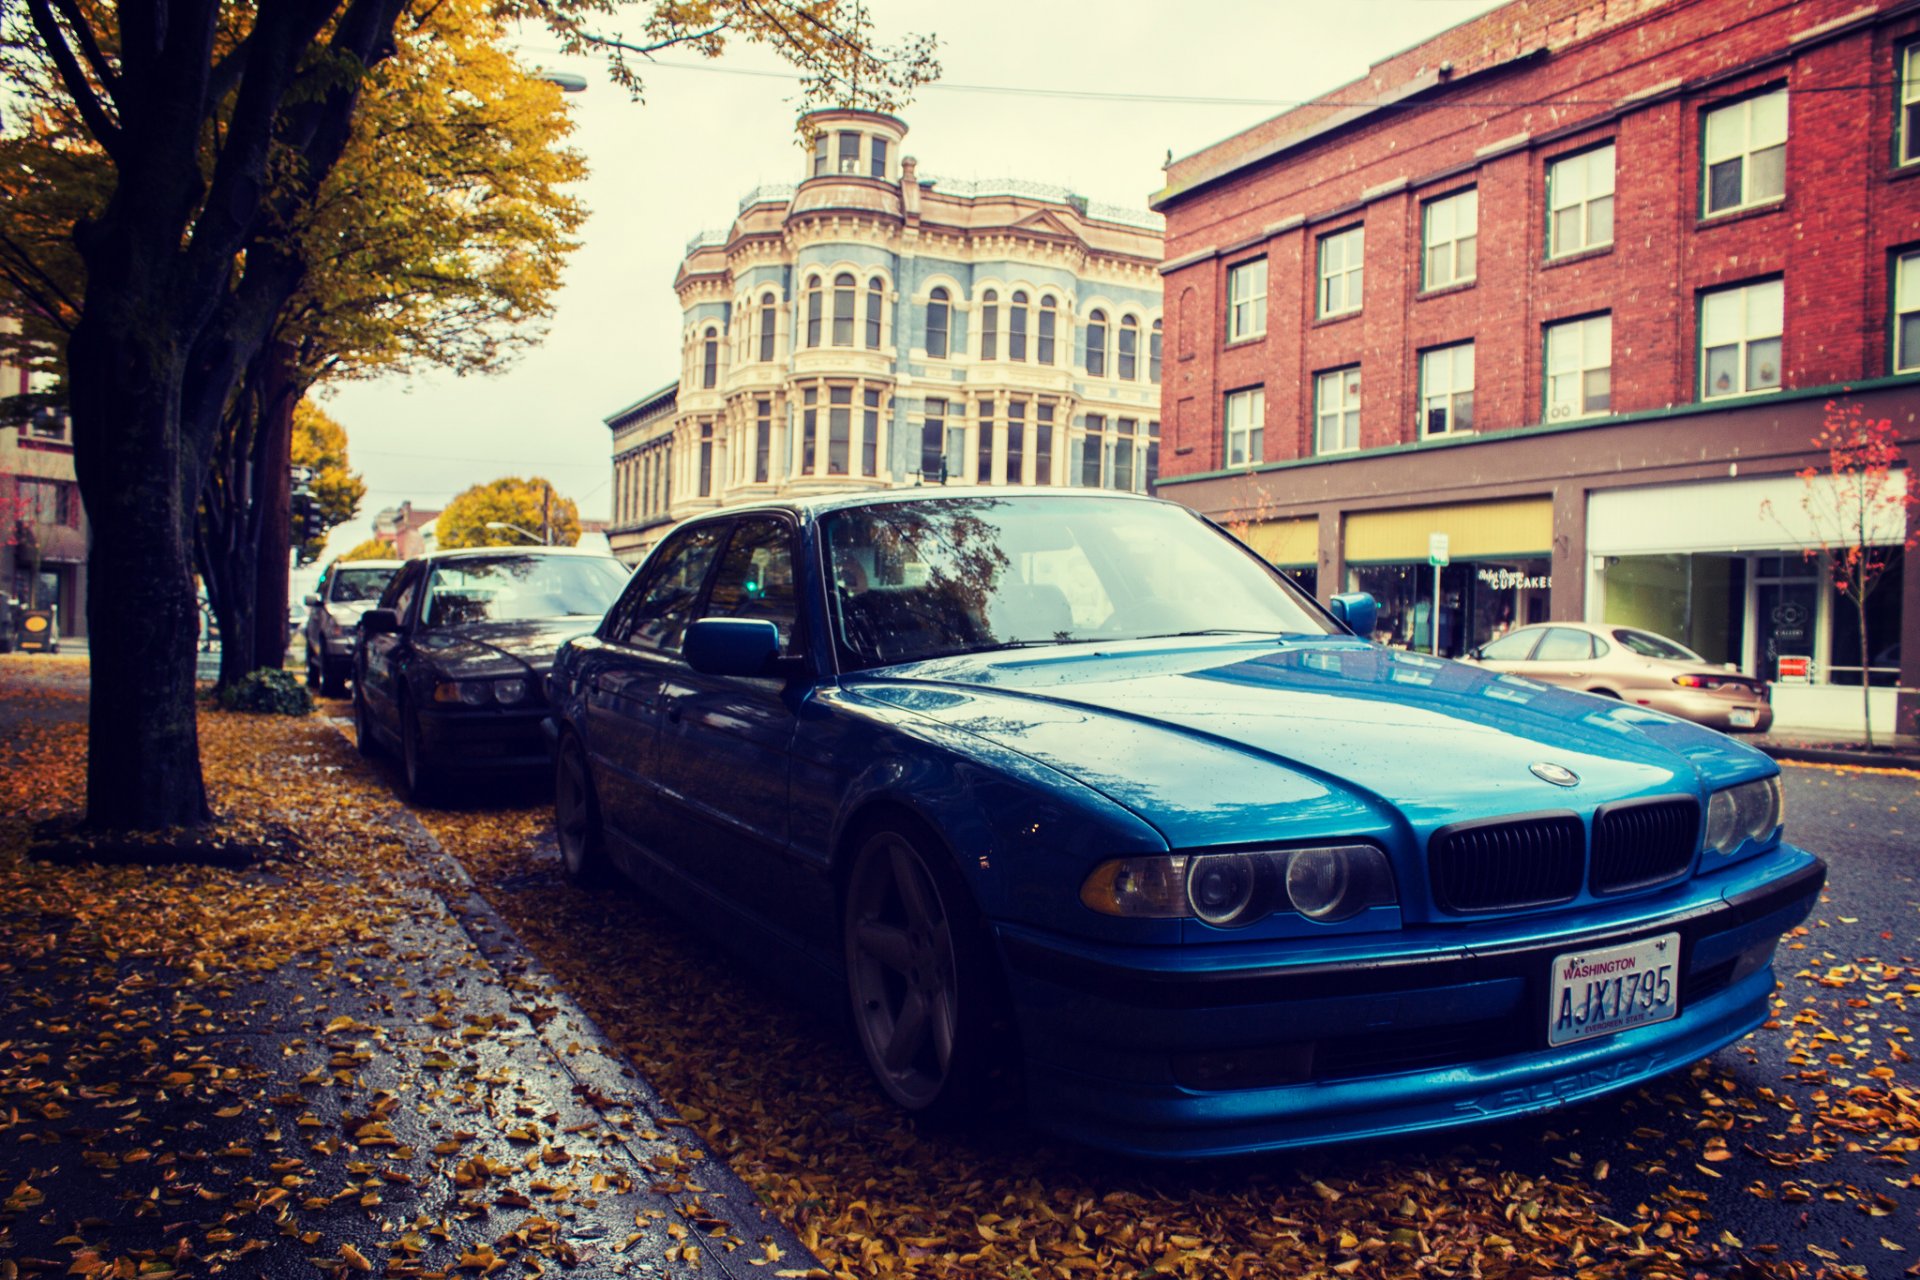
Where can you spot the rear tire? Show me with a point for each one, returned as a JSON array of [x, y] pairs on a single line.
[[928, 1007], [576, 817], [333, 680], [362, 725]]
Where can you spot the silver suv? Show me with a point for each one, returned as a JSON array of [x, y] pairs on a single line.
[[346, 590]]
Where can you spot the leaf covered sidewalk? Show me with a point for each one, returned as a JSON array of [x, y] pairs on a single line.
[[330, 1059]]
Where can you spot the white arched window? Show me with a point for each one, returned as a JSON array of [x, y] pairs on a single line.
[[1043, 339], [813, 311], [1097, 344], [843, 289], [876, 312], [1129, 349], [769, 325], [1017, 327], [939, 319], [710, 360], [1153, 353], [989, 325]]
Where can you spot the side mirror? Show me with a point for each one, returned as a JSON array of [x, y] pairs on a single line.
[[1356, 611], [312, 599], [379, 621], [732, 647]]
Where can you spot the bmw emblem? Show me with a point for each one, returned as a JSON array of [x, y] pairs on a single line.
[[1558, 775]]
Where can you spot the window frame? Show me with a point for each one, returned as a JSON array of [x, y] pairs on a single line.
[[812, 304], [710, 359], [1252, 299], [940, 298], [1579, 370], [769, 327], [1450, 201], [876, 313], [1906, 104], [1584, 155], [1745, 342], [1901, 257], [1320, 413], [1450, 352], [1126, 349], [1352, 241], [1745, 105], [1018, 312], [1046, 329], [1251, 431], [846, 303], [990, 324], [1096, 351]]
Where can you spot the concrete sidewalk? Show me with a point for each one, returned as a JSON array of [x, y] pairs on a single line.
[[338, 1058], [1810, 746]]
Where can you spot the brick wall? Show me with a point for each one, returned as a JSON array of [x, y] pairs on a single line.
[[1638, 73]]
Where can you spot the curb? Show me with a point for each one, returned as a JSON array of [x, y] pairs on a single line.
[[600, 1069], [1795, 754]]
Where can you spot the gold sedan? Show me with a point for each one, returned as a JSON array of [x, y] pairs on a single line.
[[1635, 666]]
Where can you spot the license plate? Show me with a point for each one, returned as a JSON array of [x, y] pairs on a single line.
[[1740, 718], [1599, 993]]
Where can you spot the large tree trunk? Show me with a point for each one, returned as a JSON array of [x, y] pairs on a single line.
[[274, 497], [143, 757]]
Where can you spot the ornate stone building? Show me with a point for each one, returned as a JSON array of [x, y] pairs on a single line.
[[870, 327]]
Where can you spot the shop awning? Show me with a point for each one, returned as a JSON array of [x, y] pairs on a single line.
[[1510, 527], [1287, 543]]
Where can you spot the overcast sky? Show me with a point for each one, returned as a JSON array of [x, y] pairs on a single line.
[[708, 132]]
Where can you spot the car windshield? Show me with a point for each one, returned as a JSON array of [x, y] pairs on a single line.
[[358, 586], [917, 580], [510, 588], [1649, 645]]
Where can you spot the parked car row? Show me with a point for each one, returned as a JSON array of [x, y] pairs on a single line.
[[1070, 796]]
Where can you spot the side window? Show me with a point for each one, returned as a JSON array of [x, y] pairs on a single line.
[[668, 591], [1510, 648], [1563, 644], [755, 579], [400, 591]]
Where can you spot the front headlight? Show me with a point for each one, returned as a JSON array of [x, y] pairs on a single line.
[[1228, 890], [1750, 811], [507, 692], [466, 693]]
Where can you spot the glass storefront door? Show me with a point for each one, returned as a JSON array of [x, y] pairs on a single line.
[[1787, 605]]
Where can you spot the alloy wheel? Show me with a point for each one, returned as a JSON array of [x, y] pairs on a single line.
[[901, 970]]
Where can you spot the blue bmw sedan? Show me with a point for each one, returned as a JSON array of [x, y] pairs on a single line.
[[1069, 794]]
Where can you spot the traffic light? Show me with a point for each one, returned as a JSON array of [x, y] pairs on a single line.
[[303, 510]]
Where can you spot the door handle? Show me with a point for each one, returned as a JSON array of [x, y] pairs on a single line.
[[673, 713]]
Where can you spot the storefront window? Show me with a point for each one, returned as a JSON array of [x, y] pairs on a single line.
[[1480, 600], [1883, 636], [1698, 600]]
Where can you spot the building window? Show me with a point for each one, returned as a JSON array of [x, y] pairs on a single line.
[[1124, 453], [710, 360], [990, 325], [1451, 236], [819, 153], [43, 501], [1016, 441], [1336, 409], [933, 438], [850, 153], [983, 468], [1043, 344], [1097, 344], [1340, 256], [762, 440], [1579, 368], [813, 311], [1908, 124], [839, 428], [879, 169], [1153, 354], [939, 316], [1150, 475], [1043, 442], [843, 289], [1740, 332], [1580, 202], [870, 432], [1017, 327], [809, 431], [1906, 313], [1446, 390], [769, 326], [1247, 300], [1128, 349], [1092, 449], [876, 312], [1246, 426], [706, 459], [1745, 152]]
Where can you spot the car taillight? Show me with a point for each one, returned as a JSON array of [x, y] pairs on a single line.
[[1735, 685]]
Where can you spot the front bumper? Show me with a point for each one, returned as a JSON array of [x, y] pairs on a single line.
[[1193, 1052], [473, 741]]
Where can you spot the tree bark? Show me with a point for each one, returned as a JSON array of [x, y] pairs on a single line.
[[273, 495]]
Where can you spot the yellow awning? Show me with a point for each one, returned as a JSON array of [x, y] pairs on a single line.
[[1511, 527], [1288, 543]]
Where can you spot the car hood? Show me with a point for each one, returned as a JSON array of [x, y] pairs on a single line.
[[494, 648], [1214, 742], [348, 612]]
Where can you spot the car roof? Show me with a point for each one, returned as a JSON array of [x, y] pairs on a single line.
[[365, 564], [809, 508], [469, 553]]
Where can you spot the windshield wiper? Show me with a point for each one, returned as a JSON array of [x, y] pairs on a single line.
[[999, 645], [1210, 631]]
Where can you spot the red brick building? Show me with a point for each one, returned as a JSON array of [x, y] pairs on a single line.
[[1573, 284]]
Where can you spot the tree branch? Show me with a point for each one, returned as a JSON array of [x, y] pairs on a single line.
[[103, 127]]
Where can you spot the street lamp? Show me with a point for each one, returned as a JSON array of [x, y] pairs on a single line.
[[527, 534]]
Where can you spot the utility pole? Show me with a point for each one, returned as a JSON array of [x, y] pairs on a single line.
[[546, 514]]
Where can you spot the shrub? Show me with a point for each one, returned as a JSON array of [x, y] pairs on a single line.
[[268, 692]]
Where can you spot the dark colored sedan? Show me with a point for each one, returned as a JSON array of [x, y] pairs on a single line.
[[1072, 788], [451, 666]]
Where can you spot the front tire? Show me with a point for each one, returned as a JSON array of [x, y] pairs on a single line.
[[421, 779], [921, 980], [333, 678], [576, 814], [362, 724]]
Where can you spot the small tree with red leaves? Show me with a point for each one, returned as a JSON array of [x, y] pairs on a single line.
[[1859, 507]]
